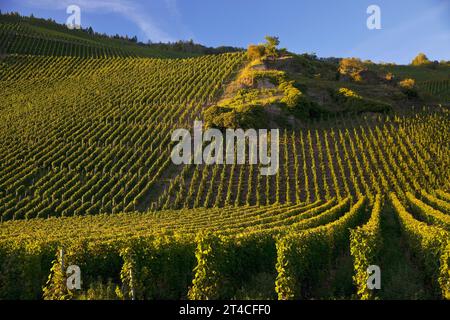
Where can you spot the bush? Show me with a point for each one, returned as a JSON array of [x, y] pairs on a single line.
[[220, 117], [344, 94], [271, 46], [255, 52], [252, 116], [354, 103], [352, 67], [24, 269], [407, 83], [389, 76], [291, 94], [420, 60], [408, 87], [244, 116], [100, 266]]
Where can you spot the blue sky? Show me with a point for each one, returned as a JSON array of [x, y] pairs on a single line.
[[327, 28]]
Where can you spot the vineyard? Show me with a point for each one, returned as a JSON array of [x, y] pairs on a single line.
[[438, 88], [100, 144], [86, 179], [41, 37], [273, 251], [338, 157]]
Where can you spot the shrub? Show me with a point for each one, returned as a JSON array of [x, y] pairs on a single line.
[[408, 87], [24, 269], [100, 265], [407, 83], [208, 276], [389, 76], [346, 93], [354, 103], [220, 117], [291, 94], [244, 116], [227, 265], [255, 52], [420, 60], [352, 67], [159, 268]]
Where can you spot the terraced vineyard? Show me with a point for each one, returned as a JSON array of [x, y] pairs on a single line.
[[86, 179]]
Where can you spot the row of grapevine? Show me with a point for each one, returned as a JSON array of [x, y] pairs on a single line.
[[430, 243], [125, 259], [87, 151], [335, 158], [20, 37], [302, 257], [365, 246], [437, 88]]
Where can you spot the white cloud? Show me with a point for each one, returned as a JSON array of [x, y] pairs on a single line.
[[131, 10]]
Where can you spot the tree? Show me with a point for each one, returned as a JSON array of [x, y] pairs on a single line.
[[271, 46], [420, 60], [408, 87]]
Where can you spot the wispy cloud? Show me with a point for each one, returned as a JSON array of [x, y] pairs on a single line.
[[131, 10]]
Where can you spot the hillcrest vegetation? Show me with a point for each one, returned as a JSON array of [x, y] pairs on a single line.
[[279, 89]]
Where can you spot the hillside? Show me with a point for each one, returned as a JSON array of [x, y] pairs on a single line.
[[86, 176], [101, 142], [35, 36]]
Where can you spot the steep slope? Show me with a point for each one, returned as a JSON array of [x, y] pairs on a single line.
[[34, 36], [85, 135]]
